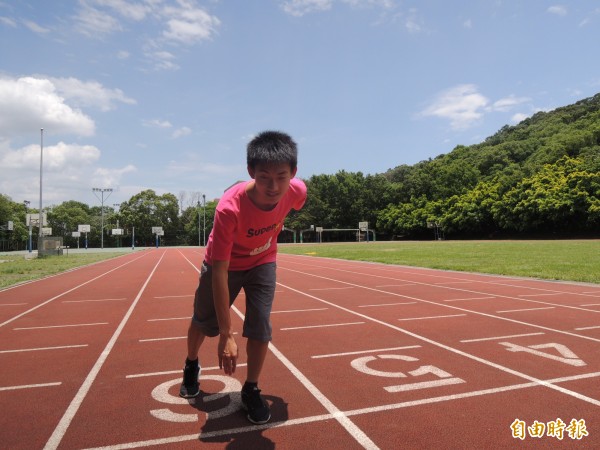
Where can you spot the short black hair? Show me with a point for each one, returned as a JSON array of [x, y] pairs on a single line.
[[272, 147]]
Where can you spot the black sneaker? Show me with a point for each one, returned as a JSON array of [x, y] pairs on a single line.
[[258, 410], [190, 387]]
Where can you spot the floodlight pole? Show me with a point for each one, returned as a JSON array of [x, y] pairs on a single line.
[[204, 220], [102, 191], [26, 203], [41, 165], [199, 236]]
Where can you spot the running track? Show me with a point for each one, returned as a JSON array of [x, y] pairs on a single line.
[[364, 356]]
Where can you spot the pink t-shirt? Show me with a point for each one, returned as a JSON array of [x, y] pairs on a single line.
[[245, 235]]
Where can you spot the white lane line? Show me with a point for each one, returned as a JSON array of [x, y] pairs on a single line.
[[501, 337], [39, 349], [170, 338], [299, 310], [322, 326], [172, 372], [541, 295], [592, 304], [478, 393], [456, 351], [29, 386], [97, 300], [359, 435], [336, 414], [169, 318], [163, 339], [12, 304], [468, 299], [324, 417], [24, 313], [395, 285], [433, 317], [331, 288], [587, 328], [524, 309], [362, 352], [62, 326], [470, 291], [65, 421], [386, 304]]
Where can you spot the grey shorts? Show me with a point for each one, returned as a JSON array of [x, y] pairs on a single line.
[[259, 287]]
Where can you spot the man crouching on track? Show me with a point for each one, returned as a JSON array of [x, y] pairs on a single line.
[[241, 253]]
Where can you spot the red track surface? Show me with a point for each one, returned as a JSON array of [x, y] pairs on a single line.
[[364, 356]]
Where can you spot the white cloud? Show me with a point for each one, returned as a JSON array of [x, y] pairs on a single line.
[[57, 158], [188, 24], [134, 11], [163, 60], [157, 123], [462, 105], [67, 169], [90, 93], [180, 132], [35, 27], [32, 103], [507, 103], [519, 117], [104, 177], [299, 8], [94, 23], [8, 21], [558, 10]]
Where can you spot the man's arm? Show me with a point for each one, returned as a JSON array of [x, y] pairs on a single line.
[[227, 348]]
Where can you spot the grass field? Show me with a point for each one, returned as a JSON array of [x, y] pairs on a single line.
[[572, 260], [16, 269], [568, 260]]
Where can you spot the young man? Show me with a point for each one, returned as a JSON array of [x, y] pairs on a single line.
[[241, 254]]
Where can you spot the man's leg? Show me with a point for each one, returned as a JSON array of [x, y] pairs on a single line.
[[190, 387], [257, 352], [195, 338], [258, 410]]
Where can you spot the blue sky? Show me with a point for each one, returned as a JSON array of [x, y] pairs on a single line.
[[165, 94]]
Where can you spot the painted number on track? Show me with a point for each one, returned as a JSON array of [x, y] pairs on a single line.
[[442, 378], [231, 389], [567, 356]]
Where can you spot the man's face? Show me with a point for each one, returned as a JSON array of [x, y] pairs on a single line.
[[271, 182]]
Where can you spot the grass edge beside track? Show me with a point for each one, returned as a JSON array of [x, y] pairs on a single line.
[[564, 260], [16, 269]]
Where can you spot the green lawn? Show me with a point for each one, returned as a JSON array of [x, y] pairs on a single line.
[[16, 269], [572, 260], [568, 260]]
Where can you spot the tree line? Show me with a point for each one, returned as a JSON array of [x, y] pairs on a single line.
[[540, 178]]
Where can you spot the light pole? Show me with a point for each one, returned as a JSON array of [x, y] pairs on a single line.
[[26, 203], [204, 225], [41, 165], [102, 191], [199, 236], [116, 205]]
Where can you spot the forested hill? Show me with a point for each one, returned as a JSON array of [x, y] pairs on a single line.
[[540, 177]]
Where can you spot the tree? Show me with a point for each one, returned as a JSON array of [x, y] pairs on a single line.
[[12, 212], [146, 210], [66, 217]]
